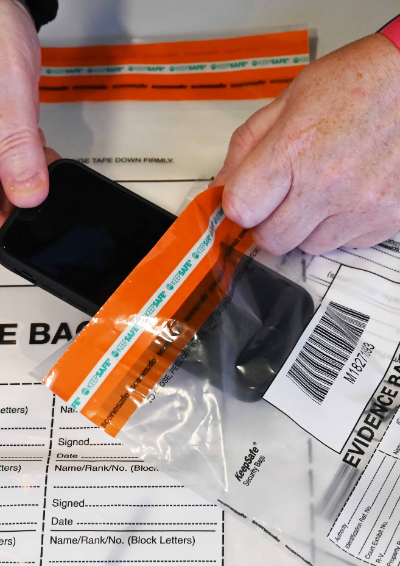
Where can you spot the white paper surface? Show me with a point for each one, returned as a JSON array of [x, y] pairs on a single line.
[[73, 495], [164, 141], [174, 185], [90, 22], [70, 493], [368, 526]]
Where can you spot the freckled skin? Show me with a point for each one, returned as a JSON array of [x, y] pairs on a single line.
[[320, 166]]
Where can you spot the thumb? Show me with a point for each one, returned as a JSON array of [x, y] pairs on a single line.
[[23, 170]]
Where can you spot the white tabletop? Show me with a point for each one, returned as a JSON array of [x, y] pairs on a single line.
[[331, 25]]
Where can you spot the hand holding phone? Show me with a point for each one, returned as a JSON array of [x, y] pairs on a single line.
[[84, 239]]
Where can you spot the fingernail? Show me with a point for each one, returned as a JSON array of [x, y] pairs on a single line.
[[26, 182]]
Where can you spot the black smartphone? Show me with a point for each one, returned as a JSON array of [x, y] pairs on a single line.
[[84, 239]]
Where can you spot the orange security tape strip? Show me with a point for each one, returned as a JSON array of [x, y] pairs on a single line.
[[229, 69], [117, 359]]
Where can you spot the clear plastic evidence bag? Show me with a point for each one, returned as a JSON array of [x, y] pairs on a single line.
[[219, 371]]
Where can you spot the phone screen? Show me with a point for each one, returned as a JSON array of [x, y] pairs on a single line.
[[88, 234]]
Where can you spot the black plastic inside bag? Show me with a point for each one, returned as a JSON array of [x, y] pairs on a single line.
[[252, 332]]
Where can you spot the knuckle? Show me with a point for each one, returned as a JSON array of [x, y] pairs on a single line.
[[310, 248], [299, 137], [381, 194], [242, 137], [395, 217], [16, 142], [269, 244], [314, 246], [371, 199]]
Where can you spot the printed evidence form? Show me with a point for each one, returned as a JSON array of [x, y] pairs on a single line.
[[72, 131], [69, 494]]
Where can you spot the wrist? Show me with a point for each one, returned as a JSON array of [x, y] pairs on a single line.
[[391, 30]]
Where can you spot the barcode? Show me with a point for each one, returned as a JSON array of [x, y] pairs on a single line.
[[327, 349]]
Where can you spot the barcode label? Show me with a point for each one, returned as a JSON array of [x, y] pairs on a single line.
[[341, 357], [327, 350]]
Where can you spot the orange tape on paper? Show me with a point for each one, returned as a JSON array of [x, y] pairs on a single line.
[[250, 67]]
